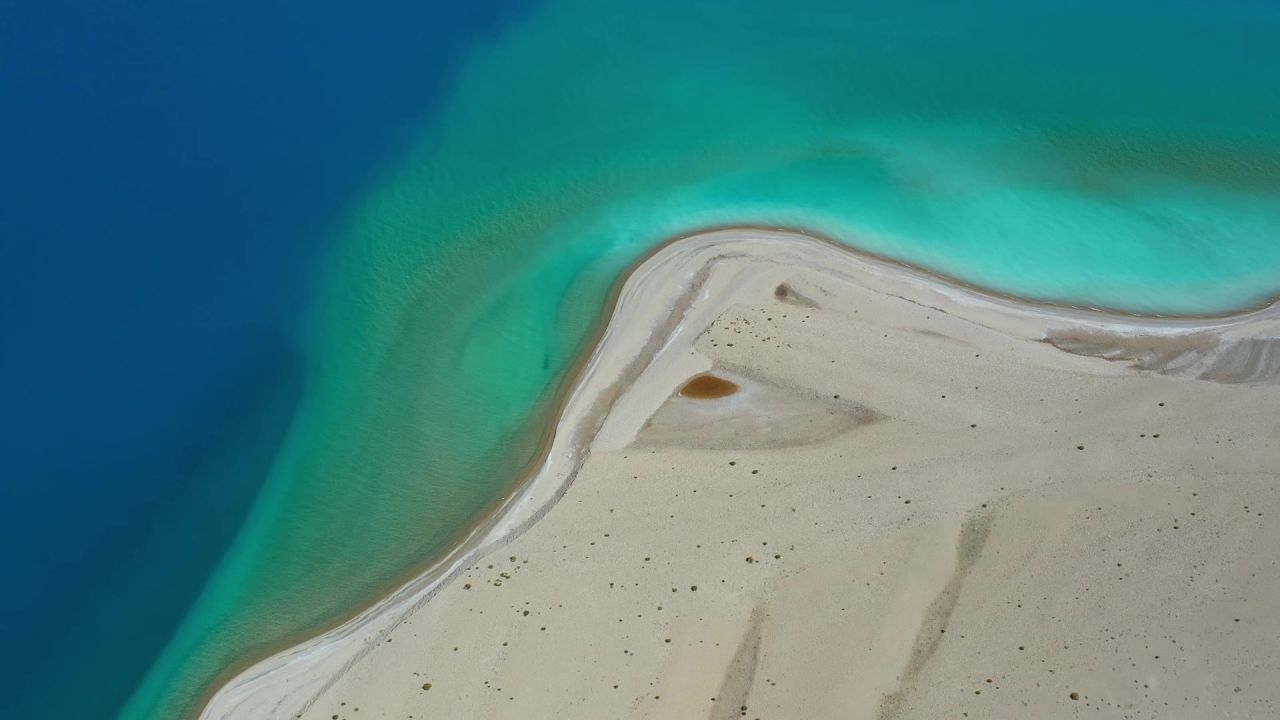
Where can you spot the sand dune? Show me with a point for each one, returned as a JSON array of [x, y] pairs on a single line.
[[921, 501]]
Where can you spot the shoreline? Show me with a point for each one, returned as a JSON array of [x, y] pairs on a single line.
[[597, 379]]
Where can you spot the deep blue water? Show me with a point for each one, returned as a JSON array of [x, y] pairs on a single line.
[[171, 174]]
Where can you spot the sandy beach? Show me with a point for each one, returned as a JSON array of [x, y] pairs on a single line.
[[886, 496]]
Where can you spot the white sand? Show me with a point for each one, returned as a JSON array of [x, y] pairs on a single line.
[[892, 519]]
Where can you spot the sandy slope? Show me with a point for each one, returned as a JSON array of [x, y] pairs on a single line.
[[915, 507]]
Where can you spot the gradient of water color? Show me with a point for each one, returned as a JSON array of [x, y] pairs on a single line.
[[170, 175], [1124, 157], [1127, 157]]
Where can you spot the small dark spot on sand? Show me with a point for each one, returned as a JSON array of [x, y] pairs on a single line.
[[708, 387]]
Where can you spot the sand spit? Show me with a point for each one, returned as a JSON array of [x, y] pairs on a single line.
[[915, 504]]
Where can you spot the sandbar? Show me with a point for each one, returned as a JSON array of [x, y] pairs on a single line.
[[918, 500]]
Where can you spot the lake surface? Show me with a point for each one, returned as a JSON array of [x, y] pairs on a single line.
[[171, 176], [340, 322]]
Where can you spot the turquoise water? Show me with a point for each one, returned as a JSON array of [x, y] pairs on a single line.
[[1121, 157]]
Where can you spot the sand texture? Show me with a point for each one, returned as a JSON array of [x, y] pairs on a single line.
[[919, 501]]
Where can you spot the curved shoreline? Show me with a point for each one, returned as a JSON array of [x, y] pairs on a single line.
[[676, 271]]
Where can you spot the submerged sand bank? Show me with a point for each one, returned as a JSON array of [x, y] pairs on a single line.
[[914, 501]]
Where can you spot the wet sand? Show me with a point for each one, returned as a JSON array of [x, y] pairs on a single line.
[[708, 387], [918, 500]]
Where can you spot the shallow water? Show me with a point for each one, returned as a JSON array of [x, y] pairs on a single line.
[[1127, 158]]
